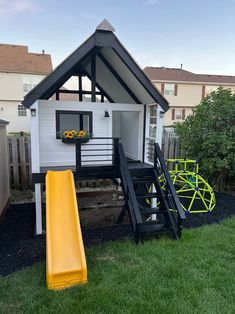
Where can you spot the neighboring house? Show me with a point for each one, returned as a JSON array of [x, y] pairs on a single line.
[[184, 90], [20, 71]]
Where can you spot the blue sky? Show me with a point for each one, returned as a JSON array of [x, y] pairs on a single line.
[[198, 33]]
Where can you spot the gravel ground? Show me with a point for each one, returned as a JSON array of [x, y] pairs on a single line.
[[19, 248]]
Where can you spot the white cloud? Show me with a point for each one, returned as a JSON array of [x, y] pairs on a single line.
[[14, 7], [151, 2]]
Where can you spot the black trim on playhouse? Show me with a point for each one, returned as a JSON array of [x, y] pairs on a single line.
[[111, 69], [81, 114]]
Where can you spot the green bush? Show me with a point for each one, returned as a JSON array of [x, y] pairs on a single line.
[[209, 136]]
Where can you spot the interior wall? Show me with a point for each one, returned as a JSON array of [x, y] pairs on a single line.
[[116, 124], [126, 126]]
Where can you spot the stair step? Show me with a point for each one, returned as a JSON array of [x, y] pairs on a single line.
[[153, 226], [147, 195], [148, 210], [143, 181], [141, 172]]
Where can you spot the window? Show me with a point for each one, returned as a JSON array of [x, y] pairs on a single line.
[[209, 89], [22, 111], [28, 87], [178, 114], [153, 121], [169, 89], [73, 120]]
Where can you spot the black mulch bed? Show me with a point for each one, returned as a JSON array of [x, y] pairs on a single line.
[[19, 248]]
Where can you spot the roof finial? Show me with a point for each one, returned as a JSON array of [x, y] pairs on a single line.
[[105, 26]]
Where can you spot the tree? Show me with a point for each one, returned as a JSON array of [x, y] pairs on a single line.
[[208, 135]]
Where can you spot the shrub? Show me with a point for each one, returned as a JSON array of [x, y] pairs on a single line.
[[209, 136]]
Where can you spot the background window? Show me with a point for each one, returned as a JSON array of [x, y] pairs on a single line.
[[73, 120], [169, 89], [27, 87], [22, 111], [178, 114]]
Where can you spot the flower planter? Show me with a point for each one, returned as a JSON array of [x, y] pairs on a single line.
[[75, 140]]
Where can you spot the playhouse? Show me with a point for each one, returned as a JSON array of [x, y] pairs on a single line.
[[124, 123]]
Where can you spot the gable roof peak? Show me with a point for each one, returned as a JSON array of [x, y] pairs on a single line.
[[105, 26]]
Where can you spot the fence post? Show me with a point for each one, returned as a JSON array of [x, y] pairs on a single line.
[[23, 173], [171, 145], [19, 161]]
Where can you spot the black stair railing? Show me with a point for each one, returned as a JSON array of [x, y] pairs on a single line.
[[130, 195], [170, 194]]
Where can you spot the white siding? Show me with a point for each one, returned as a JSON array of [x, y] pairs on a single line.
[[52, 152]]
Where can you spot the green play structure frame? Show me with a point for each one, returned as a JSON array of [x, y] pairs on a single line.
[[190, 184]]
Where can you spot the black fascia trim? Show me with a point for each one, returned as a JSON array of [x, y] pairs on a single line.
[[48, 86], [139, 75], [119, 79], [144, 132], [73, 112]]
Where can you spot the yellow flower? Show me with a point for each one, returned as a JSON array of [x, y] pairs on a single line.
[[69, 135], [74, 133], [65, 134], [82, 133]]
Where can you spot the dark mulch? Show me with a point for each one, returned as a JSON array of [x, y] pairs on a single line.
[[19, 248]]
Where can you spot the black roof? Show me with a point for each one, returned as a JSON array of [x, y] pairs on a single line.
[[117, 73], [3, 122]]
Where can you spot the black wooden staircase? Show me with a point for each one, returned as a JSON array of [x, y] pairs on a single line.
[[140, 186]]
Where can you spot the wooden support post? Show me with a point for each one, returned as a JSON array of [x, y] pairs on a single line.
[[153, 202], [57, 96], [80, 87], [115, 153], [38, 203], [78, 156], [93, 78]]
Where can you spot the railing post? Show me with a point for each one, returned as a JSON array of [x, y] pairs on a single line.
[[115, 151], [78, 156]]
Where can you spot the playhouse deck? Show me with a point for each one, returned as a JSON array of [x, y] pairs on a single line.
[[90, 172]]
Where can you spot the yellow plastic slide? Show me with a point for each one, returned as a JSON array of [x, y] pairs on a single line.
[[65, 255]]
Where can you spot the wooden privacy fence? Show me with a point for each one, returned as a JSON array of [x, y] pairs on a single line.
[[19, 161], [20, 157], [170, 145]]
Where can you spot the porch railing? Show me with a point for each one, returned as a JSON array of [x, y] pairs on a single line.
[[99, 151]]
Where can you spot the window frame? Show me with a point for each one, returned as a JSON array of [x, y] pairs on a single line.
[[73, 112], [180, 114], [22, 109], [172, 90]]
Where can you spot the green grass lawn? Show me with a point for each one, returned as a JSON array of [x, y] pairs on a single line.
[[194, 275]]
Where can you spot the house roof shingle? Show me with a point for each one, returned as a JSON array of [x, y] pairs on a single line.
[[181, 75], [17, 59]]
